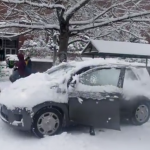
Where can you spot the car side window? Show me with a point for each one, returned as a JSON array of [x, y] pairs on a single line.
[[129, 77], [99, 77], [82, 70], [78, 73]]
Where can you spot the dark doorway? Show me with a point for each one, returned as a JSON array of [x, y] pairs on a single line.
[[0, 43], [2, 54]]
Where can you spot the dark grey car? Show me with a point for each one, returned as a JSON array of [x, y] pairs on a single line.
[[95, 98]]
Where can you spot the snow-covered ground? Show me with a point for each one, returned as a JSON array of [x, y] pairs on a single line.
[[4, 84], [129, 138]]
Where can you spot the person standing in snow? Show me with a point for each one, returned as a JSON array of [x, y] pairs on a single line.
[[19, 70], [21, 65]]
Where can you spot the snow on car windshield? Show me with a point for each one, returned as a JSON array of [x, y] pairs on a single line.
[[59, 71]]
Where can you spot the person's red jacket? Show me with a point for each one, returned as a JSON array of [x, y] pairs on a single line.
[[21, 65]]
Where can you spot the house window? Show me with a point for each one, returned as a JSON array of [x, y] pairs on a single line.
[[13, 51], [11, 44], [8, 51]]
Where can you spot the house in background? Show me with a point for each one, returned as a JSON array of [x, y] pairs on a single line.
[[8, 45]]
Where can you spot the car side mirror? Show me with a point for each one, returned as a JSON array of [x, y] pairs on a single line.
[[81, 79], [74, 81]]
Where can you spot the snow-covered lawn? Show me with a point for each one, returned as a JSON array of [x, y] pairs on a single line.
[[129, 138]]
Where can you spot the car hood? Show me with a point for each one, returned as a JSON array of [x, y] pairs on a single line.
[[33, 90]]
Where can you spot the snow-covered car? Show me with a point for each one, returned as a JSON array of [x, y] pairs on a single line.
[[94, 93]]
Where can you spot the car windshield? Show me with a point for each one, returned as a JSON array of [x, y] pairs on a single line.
[[60, 70]]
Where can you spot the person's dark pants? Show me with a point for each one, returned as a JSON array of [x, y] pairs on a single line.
[[28, 71], [15, 76]]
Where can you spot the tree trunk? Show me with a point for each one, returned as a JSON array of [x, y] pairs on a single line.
[[63, 46], [54, 56]]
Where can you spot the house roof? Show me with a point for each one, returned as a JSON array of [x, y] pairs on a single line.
[[117, 49]]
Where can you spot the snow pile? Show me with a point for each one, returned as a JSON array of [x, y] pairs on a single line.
[[11, 57], [33, 90], [4, 84], [4, 71]]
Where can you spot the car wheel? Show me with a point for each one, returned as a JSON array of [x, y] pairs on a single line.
[[47, 121], [141, 113]]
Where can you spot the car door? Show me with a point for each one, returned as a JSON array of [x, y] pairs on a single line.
[[94, 100]]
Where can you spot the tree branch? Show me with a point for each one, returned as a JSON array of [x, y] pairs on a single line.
[[16, 34], [77, 40], [29, 26], [99, 15], [113, 20], [41, 5], [72, 10]]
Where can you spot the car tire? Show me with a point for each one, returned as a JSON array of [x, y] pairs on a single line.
[[47, 119], [140, 113]]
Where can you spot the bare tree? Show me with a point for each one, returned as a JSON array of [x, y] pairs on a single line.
[[71, 17]]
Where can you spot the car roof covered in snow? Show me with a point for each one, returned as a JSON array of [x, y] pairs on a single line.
[[101, 61], [109, 62]]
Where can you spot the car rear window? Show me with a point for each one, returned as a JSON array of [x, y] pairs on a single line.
[[142, 73]]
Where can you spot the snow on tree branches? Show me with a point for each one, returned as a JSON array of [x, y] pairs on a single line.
[[111, 19]]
